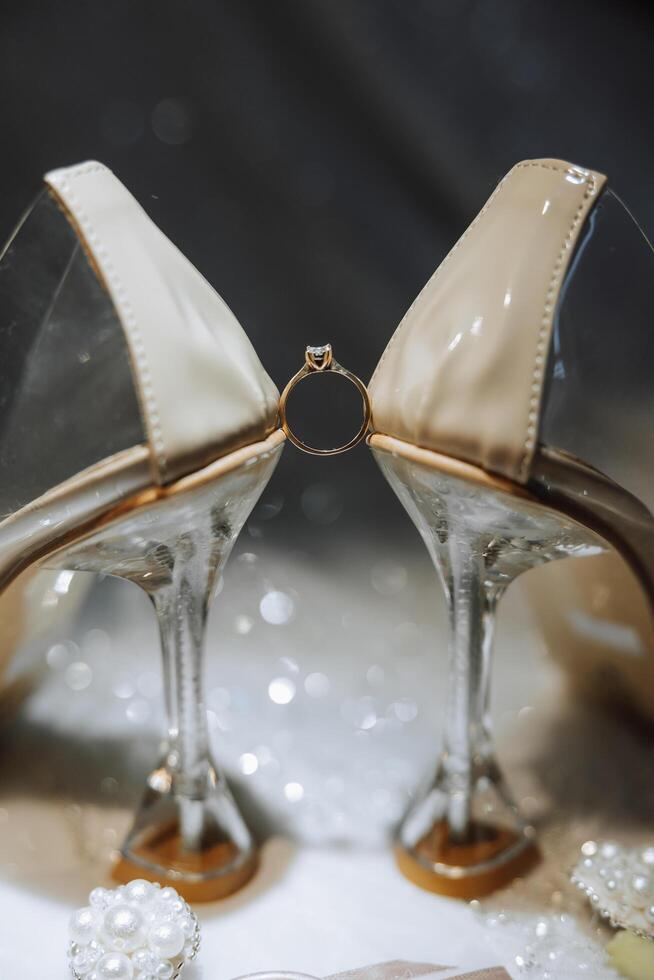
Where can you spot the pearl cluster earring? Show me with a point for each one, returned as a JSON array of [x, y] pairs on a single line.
[[138, 931]]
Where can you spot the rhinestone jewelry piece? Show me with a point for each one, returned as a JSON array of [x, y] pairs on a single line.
[[138, 931], [619, 883]]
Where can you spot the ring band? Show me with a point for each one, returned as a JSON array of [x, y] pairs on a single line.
[[319, 360]]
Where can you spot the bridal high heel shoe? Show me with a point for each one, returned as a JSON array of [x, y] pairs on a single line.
[[512, 414], [137, 430]]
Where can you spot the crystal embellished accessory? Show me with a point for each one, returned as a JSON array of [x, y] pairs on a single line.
[[139, 931], [320, 360], [619, 883], [544, 946]]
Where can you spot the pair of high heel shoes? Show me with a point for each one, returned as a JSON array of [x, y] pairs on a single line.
[[510, 412]]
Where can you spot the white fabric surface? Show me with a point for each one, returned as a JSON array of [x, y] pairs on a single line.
[[311, 911]]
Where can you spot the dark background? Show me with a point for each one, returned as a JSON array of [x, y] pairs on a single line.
[[317, 158]]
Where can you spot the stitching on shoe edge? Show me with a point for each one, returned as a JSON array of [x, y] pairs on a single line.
[[62, 179]]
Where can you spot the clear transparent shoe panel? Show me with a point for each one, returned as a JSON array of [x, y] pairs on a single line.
[[598, 394], [67, 398], [465, 836]]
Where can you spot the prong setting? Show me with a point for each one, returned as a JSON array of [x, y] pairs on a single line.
[[319, 358]]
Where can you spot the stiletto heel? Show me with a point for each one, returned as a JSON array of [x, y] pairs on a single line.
[[188, 830], [511, 412], [137, 429], [466, 837]]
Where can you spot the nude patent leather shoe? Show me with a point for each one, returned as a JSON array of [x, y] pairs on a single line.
[[137, 430], [512, 415]]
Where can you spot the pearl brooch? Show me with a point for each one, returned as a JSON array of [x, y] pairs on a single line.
[[138, 931], [619, 884]]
